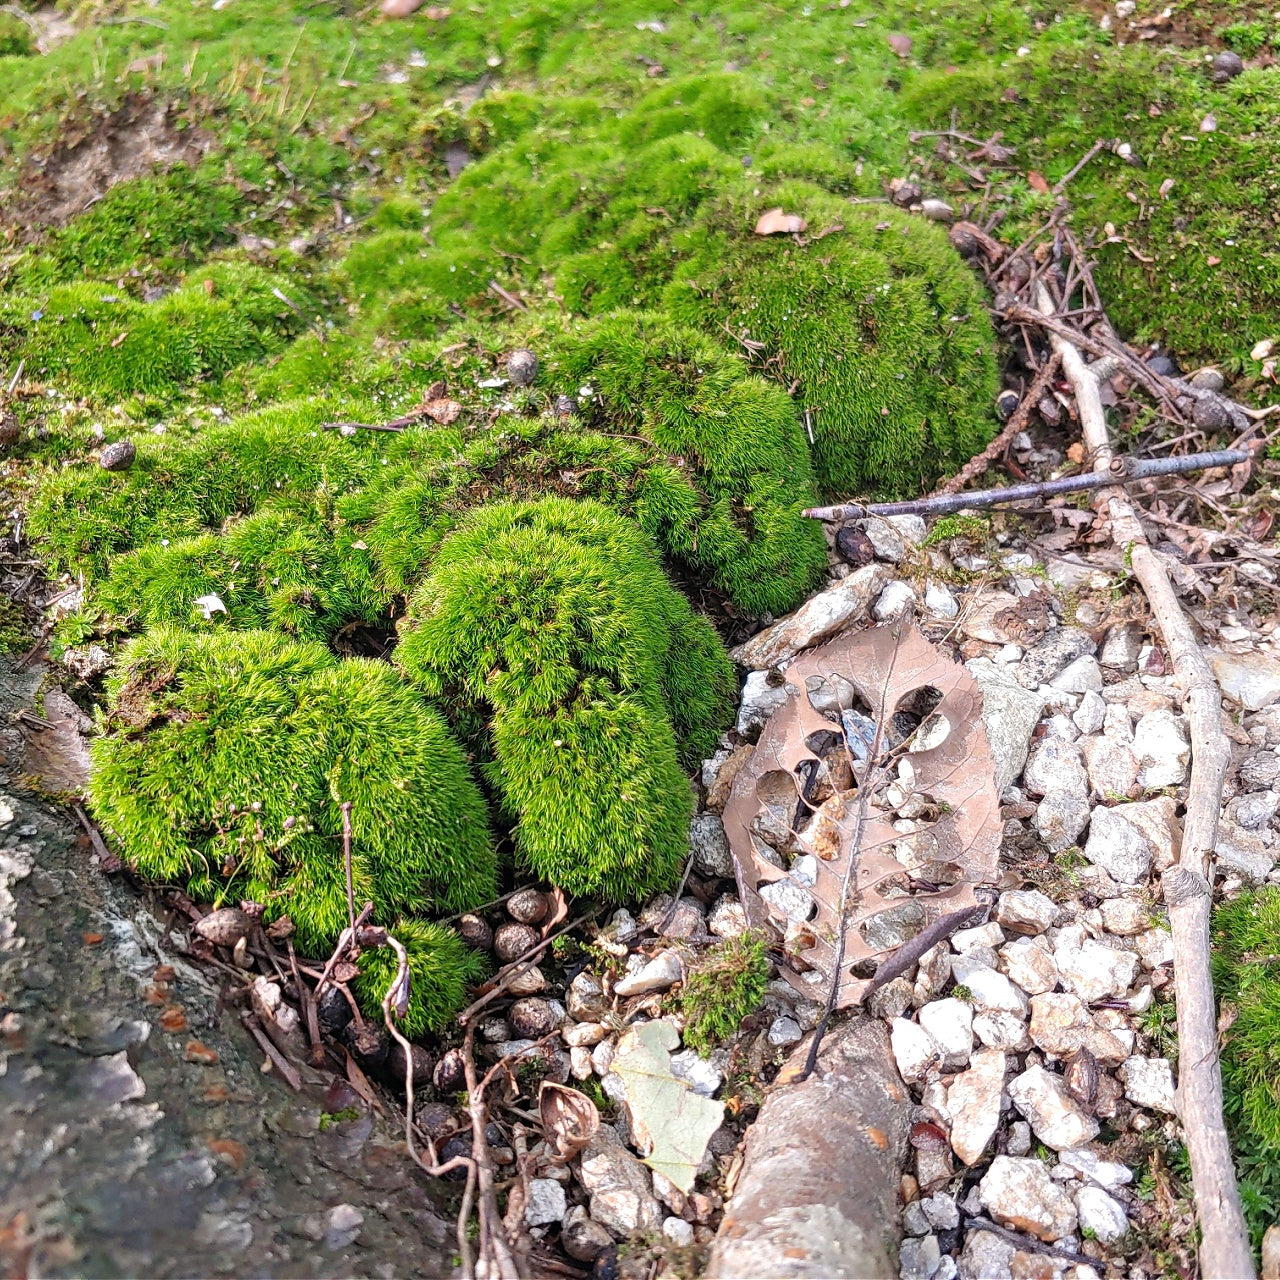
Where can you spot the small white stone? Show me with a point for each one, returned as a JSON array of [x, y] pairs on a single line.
[[1148, 1082], [1030, 964], [1117, 846], [884, 539], [1091, 969], [1091, 713], [1058, 1120], [663, 971], [1018, 1192], [580, 1063], [1163, 751], [678, 1231], [914, 1049], [893, 601], [1101, 1215], [1026, 911], [760, 699], [699, 1074], [988, 988], [939, 601], [950, 1023], [1081, 676], [546, 1202], [785, 1031], [790, 899], [973, 1104], [1108, 1174], [728, 918]]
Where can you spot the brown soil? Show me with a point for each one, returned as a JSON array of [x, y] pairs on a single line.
[[139, 136]]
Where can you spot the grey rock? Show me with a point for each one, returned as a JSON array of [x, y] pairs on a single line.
[[785, 1031], [1018, 1142], [585, 998], [1112, 766], [1009, 714], [118, 456], [1091, 969], [1054, 766], [1091, 714], [1056, 650], [546, 1203], [728, 918], [1117, 846], [700, 1075], [1018, 1192], [1259, 771], [790, 899], [1252, 680], [941, 1211], [1108, 1174], [896, 598], [1124, 917], [1163, 751], [619, 1186], [1026, 911], [914, 1222], [710, 847], [663, 971], [973, 1104], [760, 699], [987, 1256], [1054, 1115], [1148, 1082], [1254, 810], [939, 600], [998, 1029], [582, 1239], [1121, 647], [342, 1226], [911, 529], [1060, 818], [1101, 1215], [918, 1258], [678, 1231], [884, 539], [1243, 852], [1082, 675]]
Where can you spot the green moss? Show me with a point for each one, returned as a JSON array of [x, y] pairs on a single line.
[[15, 37], [879, 322], [725, 987], [1247, 38], [441, 968], [555, 618], [1246, 934], [225, 761]]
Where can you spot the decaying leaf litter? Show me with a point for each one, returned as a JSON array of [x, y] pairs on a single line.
[[868, 895]]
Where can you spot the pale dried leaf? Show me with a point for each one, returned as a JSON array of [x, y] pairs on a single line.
[[667, 1117], [900, 882], [569, 1118], [777, 223], [558, 912], [442, 411], [210, 604]]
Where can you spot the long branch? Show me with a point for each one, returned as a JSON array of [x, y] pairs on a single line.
[[1224, 1241]]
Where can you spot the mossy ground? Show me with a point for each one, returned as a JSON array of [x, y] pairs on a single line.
[[300, 250]]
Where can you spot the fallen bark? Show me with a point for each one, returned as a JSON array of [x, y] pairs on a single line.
[[818, 1192], [1224, 1244]]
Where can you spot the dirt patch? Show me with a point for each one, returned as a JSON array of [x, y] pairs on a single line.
[[1181, 25], [140, 136]]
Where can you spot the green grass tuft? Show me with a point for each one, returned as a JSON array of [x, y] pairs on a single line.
[[726, 986]]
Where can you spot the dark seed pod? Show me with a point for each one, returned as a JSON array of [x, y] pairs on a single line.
[[118, 456], [9, 429], [1081, 1077], [333, 1010], [1226, 66], [476, 932], [369, 1045], [393, 1068], [512, 940], [1050, 410], [458, 1145], [1165, 366], [522, 367], [565, 406], [1018, 272], [531, 1018], [451, 1072], [437, 1121], [963, 241], [854, 547], [1210, 414], [1006, 403], [904, 193], [224, 927], [529, 906]]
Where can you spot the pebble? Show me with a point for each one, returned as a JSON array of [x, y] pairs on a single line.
[[914, 1049], [1000, 1030], [1243, 852], [728, 918], [1093, 970], [785, 1031], [1055, 765], [919, 1258], [987, 1256], [884, 539], [1018, 1192], [710, 847], [1091, 714], [580, 1064], [1111, 765], [1055, 651], [1106, 1173], [1026, 911], [1118, 846], [939, 601], [1124, 916], [1054, 1115], [619, 1186], [1030, 965], [950, 1024], [1121, 647], [789, 899], [581, 1238], [1148, 1082], [1259, 771], [678, 1231], [1163, 751], [1252, 679], [760, 699], [699, 1074], [583, 1035], [911, 529], [546, 1202], [1018, 1139], [1084, 675], [1061, 1024], [1009, 714], [663, 971], [1101, 1215], [973, 1104], [893, 601], [342, 1227], [989, 989], [585, 998]]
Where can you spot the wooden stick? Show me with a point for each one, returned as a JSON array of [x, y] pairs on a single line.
[[978, 464], [1188, 893]]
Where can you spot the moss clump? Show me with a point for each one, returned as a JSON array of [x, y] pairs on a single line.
[[879, 322], [94, 339], [225, 761], [554, 621], [1246, 974], [726, 986], [441, 968]]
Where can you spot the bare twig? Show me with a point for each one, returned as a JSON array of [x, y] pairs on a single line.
[[288, 1072], [1224, 1244], [1018, 419], [1119, 471], [107, 861], [1060, 185], [346, 863]]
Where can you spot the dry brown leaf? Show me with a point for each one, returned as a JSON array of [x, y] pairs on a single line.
[[559, 910], [442, 411], [569, 1118], [1037, 182], [795, 797], [776, 223]]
